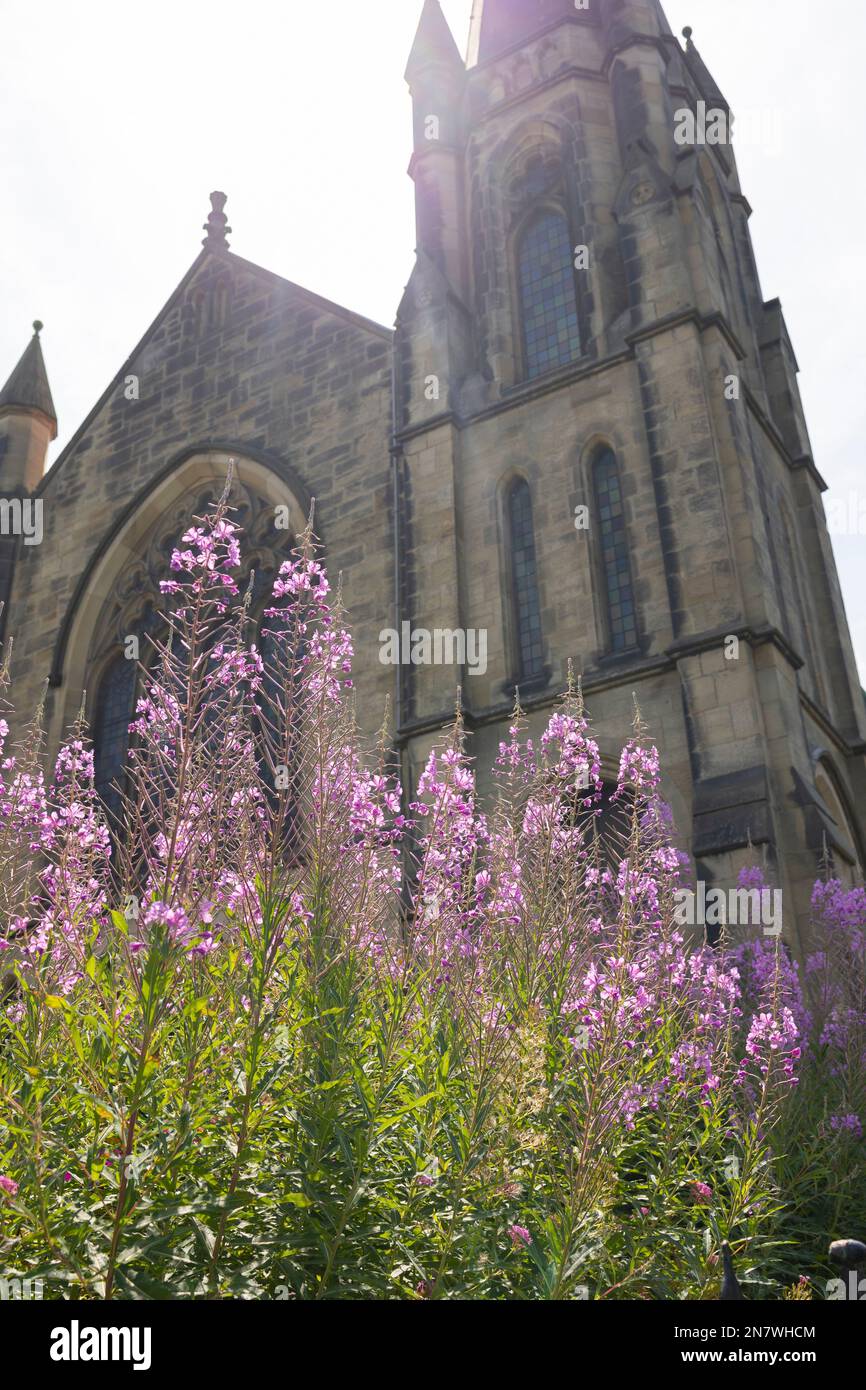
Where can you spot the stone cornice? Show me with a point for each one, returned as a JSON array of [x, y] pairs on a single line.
[[657, 41], [702, 322], [822, 719], [592, 682], [746, 632], [803, 461], [583, 369], [481, 118], [597, 681]]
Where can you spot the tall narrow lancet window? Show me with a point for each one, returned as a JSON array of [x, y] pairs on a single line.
[[115, 711], [524, 581], [616, 568], [548, 298]]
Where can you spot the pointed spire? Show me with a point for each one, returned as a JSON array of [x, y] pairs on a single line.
[[27, 387], [217, 224], [707, 84], [434, 43]]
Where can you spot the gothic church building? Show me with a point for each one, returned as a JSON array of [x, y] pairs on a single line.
[[584, 437]]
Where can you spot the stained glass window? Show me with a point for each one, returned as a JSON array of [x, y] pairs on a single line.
[[114, 713], [524, 578], [622, 618], [551, 330]]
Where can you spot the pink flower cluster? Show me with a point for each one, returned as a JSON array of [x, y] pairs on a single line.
[[535, 890]]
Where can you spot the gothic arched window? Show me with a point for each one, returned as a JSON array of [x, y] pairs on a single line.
[[615, 566], [529, 649], [548, 299], [115, 710], [135, 607]]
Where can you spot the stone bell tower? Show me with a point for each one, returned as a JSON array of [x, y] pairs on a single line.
[[600, 451]]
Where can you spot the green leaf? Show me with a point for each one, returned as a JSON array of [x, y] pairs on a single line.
[[406, 1110]]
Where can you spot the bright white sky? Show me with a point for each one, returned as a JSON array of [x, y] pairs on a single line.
[[118, 119]]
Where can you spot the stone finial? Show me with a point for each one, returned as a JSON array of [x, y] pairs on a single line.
[[687, 32], [217, 223], [38, 325]]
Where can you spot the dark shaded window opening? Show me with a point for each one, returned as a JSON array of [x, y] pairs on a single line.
[[524, 580], [615, 563], [548, 298]]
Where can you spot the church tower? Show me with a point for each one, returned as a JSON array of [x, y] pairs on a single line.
[[28, 424], [600, 453]]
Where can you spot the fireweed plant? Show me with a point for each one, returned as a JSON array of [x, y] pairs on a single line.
[[279, 1032]]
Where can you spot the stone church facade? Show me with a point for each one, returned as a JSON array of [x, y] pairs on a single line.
[[583, 439]]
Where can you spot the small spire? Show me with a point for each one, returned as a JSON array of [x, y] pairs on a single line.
[[434, 43], [27, 387], [217, 223]]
